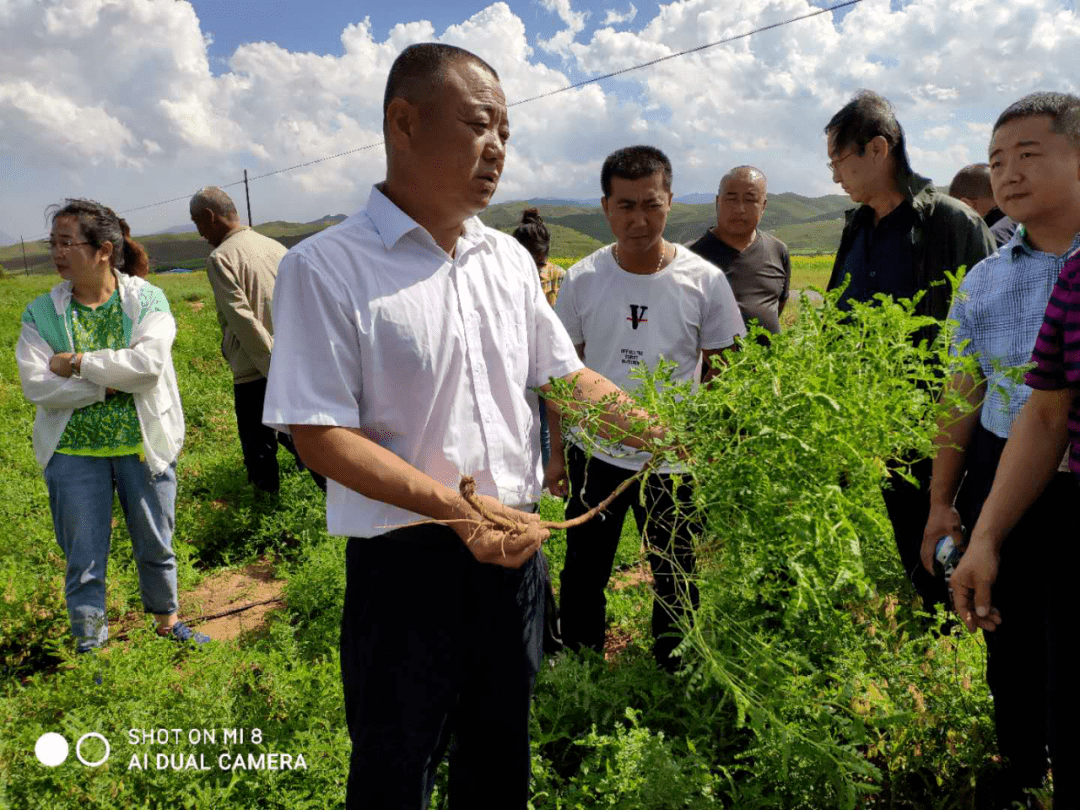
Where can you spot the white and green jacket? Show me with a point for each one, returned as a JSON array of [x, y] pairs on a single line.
[[144, 369]]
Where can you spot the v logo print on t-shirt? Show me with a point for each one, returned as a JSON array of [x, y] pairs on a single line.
[[637, 314]]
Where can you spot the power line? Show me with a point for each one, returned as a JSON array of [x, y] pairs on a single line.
[[652, 62], [641, 66], [317, 160], [261, 176]]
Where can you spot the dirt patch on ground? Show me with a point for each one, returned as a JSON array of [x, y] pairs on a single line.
[[631, 577], [230, 590], [225, 591], [616, 640]]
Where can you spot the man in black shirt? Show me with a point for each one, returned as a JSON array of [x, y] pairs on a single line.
[[972, 186], [902, 239], [756, 264]]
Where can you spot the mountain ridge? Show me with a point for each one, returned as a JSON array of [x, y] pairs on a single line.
[[578, 227]]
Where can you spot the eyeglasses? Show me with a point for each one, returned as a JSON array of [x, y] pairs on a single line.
[[63, 245], [832, 164]]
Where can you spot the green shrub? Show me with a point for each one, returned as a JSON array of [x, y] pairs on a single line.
[[636, 767], [315, 595], [791, 445], [811, 681]]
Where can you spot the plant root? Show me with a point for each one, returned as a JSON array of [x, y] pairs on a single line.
[[467, 488]]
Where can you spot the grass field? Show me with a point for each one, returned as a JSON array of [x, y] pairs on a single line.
[[810, 271], [282, 679], [605, 733]]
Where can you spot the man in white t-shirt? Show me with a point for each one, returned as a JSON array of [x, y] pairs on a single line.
[[408, 341], [631, 304]]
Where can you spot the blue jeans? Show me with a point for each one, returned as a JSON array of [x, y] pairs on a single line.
[[81, 498]]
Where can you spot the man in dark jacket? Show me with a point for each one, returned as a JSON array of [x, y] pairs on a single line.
[[971, 185], [901, 240]]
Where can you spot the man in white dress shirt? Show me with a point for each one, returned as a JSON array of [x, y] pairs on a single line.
[[408, 339]]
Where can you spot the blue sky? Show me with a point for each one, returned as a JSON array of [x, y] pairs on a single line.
[[316, 26], [135, 102]]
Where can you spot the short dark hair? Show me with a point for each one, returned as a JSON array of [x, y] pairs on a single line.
[[422, 66], [100, 224], [1063, 110], [864, 118], [972, 182], [633, 163], [534, 235]]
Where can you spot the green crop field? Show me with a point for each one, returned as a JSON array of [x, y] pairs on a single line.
[[810, 271], [795, 700]]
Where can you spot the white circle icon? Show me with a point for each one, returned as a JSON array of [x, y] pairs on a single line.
[[51, 749], [78, 752]]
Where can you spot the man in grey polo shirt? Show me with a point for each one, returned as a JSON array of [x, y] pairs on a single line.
[[757, 264]]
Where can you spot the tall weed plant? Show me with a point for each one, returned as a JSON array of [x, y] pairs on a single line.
[[807, 629], [810, 681]]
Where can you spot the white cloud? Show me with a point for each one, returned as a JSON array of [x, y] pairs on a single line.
[[574, 21], [613, 17], [65, 132], [116, 98]]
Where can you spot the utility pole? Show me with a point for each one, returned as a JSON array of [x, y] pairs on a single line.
[[26, 268], [247, 194]]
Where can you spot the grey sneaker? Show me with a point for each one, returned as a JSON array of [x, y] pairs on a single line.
[[181, 632]]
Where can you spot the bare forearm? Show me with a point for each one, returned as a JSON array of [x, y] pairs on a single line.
[[953, 442], [619, 417], [709, 370], [955, 430], [353, 460], [1036, 444]]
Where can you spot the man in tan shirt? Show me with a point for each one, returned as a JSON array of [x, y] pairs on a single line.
[[242, 269]]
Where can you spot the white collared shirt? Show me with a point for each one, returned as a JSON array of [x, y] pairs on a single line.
[[377, 328]]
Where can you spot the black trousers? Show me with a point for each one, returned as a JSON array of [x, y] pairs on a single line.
[[669, 531], [434, 644], [908, 507], [1035, 699], [259, 442]]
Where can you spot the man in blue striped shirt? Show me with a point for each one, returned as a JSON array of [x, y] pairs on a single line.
[[1035, 171]]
